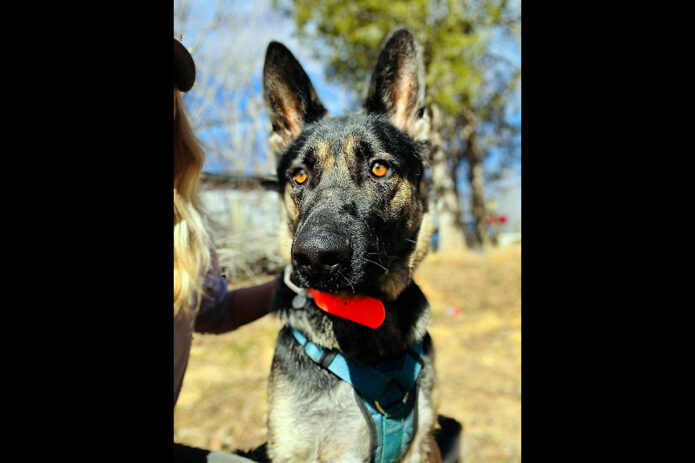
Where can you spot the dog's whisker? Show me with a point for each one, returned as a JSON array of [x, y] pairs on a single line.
[[377, 264], [345, 278], [369, 229]]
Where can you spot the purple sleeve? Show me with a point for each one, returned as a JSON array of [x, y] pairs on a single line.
[[213, 315]]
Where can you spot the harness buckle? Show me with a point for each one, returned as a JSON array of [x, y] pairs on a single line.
[[381, 410]]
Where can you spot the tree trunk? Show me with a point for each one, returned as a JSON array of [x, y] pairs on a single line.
[[477, 180], [446, 202]]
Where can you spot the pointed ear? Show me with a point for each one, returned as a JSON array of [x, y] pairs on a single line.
[[397, 88], [289, 97]]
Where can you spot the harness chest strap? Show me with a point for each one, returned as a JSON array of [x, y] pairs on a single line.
[[387, 392]]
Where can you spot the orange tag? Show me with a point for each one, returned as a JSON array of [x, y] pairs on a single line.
[[364, 310]]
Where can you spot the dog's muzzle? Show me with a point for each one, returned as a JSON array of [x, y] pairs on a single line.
[[317, 253]]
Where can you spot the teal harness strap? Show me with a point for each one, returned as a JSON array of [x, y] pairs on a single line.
[[387, 390]]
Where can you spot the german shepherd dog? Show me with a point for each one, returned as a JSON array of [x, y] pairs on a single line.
[[356, 205]]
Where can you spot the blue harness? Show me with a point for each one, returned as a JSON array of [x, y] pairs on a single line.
[[387, 393]]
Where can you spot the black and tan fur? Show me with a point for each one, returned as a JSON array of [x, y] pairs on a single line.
[[353, 233]]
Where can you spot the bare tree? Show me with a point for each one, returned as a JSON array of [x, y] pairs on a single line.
[[446, 201], [225, 105]]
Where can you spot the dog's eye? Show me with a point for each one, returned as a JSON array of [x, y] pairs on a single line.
[[300, 176], [379, 168]]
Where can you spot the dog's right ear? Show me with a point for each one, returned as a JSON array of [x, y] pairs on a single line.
[[290, 99]]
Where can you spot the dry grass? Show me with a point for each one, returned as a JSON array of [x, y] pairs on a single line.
[[478, 359]]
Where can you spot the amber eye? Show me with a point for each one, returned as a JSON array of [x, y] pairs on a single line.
[[379, 169], [300, 176]]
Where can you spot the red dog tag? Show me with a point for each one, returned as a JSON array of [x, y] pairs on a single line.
[[364, 310]]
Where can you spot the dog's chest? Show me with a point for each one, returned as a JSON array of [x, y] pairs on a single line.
[[315, 420]]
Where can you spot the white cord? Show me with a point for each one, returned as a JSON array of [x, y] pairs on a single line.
[[288, 282]]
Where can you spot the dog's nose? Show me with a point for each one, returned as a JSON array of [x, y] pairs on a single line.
[[320, 251]]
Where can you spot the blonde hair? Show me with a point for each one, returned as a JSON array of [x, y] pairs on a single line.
[[191, 240]]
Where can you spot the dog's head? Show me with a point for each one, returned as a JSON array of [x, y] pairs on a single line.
[[353, 185]]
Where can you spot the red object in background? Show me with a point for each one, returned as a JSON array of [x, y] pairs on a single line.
[[453, 311], [494, 219]]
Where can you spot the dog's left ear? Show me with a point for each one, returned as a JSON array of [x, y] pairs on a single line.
[[397, 88], [290, 99]]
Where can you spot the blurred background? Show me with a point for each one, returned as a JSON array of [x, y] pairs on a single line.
[[472, 276]]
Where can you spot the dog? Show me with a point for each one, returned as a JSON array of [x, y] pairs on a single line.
[[354, 192]]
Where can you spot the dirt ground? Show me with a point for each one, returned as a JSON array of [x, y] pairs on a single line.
[[476, 330]]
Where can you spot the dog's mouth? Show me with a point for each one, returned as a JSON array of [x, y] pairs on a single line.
[[343, 280]]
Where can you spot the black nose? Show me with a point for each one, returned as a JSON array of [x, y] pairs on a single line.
[[320, 251]]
